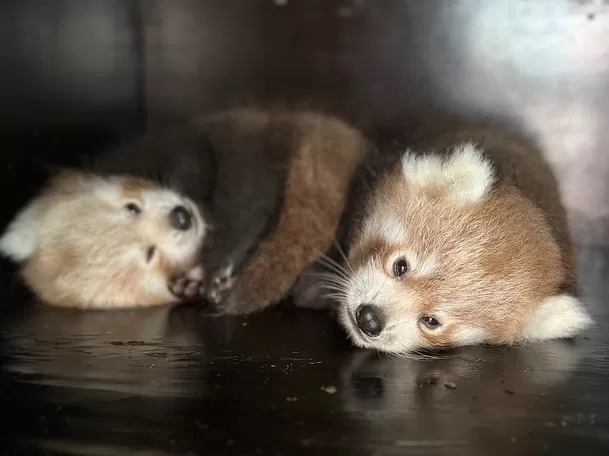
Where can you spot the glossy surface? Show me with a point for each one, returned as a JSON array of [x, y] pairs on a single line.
[[286, 382]]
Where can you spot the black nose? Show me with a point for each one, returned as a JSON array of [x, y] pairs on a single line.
[[180, 218], [369, 319]]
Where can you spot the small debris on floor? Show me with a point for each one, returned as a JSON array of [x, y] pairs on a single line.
[[508, 391], [450, 385], [329, 389], [291, 399]]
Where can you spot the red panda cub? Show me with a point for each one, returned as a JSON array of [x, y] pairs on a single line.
[[93, 241], [463, 241], [228, 209]]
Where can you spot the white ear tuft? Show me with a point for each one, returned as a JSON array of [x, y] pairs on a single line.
[[558, 317], [20, 239], [465, 176]]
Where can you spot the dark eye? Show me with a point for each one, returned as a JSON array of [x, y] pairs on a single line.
[[150, 251], [430, 322], [133, 208], [400, 267]]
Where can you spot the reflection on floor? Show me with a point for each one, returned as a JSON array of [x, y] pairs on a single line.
[[286, 382]]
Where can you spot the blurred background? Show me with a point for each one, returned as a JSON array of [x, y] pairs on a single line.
[[77, 75]]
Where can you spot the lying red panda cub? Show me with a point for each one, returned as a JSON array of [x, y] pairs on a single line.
[[95, 241], [229, 208], [463, 241]]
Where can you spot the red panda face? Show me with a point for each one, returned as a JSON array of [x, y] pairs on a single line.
[[445, 259], [96, 242]]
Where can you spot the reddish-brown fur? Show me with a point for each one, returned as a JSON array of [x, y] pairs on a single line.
[[490, 263], [316, 190]]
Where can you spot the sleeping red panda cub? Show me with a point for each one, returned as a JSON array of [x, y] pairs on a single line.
[[95, 241], [231, 207], [464, 240]]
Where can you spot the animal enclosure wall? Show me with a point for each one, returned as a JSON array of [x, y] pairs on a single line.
[[80, 73]]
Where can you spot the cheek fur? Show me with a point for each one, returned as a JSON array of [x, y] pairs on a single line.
[[140, 287], [366, 285]]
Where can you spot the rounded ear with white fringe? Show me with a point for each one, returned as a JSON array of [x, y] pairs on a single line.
[[464, 177], [557, 317], [20, 239]]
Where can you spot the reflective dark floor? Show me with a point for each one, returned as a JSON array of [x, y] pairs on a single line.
[[287, 383]]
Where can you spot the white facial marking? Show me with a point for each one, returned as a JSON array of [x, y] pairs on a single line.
[[466, 175], [371, 285], [387, 225], [366, 286], [391, 229], [557, 317], [176, 244]]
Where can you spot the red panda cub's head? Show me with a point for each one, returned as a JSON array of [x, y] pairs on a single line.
[[448, 255], [94, 241]]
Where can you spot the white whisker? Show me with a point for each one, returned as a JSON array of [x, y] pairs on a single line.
[[343, 255], [334, 267]]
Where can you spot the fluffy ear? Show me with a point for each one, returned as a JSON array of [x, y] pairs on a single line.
[[557, 317], [463, 177], [20, 239], [67, 180]]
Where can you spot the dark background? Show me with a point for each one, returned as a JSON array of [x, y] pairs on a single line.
[[78, 74]]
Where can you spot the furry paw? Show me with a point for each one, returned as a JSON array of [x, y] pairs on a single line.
[[221, 284], [188, 287]]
